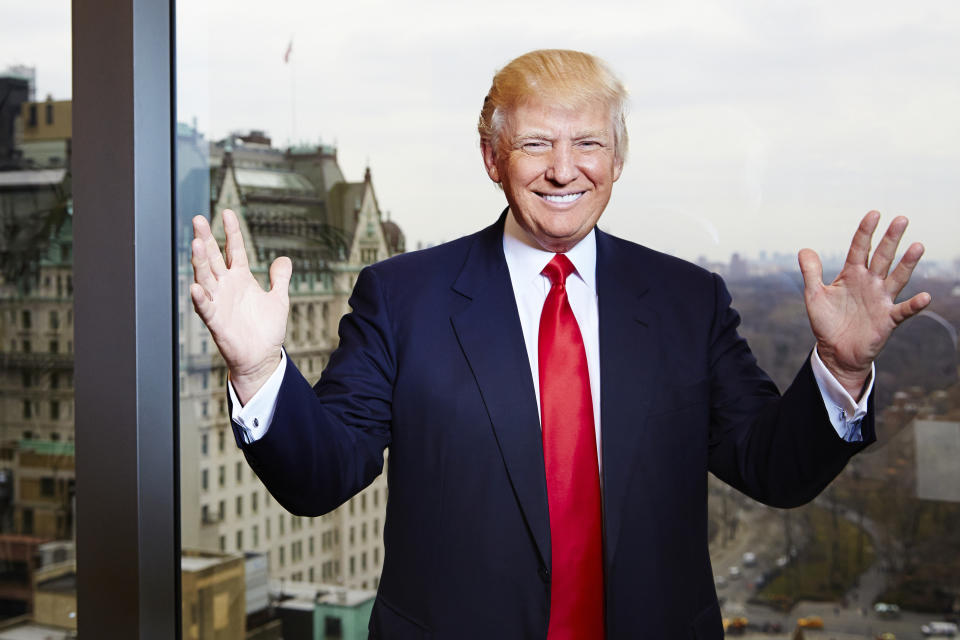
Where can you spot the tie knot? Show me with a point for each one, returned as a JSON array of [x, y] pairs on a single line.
[[558, 269]]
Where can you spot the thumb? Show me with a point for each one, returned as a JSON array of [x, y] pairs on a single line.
[[811, 268], [280, 272]]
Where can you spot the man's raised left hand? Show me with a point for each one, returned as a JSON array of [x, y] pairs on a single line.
[[852, 317]]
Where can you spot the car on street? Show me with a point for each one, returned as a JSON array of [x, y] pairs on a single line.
[[886, 610], [810, 622], [939, 630]]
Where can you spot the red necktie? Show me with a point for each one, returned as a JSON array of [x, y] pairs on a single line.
[[570, 457]]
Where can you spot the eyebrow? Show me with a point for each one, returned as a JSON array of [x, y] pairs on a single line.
[[543, 135]]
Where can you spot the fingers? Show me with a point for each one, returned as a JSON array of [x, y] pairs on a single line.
[[910, 307], [235, 250], [201, 231], [898, 279], [201, 302], [202, 273], [280, 272], [811, 268], [860, 246], [887, 249]]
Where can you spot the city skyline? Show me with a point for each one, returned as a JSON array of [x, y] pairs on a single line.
[[746, 119]]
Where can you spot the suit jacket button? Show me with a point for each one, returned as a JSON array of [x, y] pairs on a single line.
[[544, 574]]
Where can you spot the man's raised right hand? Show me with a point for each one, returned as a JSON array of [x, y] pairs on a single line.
[[247, 323]]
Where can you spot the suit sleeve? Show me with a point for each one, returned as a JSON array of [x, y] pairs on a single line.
[[326, 443], [780, 450]]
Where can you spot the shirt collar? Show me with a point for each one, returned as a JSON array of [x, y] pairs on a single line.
[[526, 259]]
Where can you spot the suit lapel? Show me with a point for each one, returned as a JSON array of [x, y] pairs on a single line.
[[629, 359], [491, 337]]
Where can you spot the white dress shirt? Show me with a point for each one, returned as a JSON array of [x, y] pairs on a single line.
[[525, 261]]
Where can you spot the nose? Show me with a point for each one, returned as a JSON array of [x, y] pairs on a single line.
[[562, 166]]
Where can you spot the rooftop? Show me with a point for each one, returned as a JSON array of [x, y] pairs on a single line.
[[31, 177]]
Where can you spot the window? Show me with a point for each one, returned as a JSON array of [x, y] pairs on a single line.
[[47, 487], [25, 319], [353, 566], [204, 443], [256, 535], [239, 506], [239, 472], [54, 381], [280, 521], [239, 539], [49, 112], [222, 476], [54, 320], [221, 440], [27, 521], [222, 509], [54, 346], [205, 479], [253, 501], [54, 410], [26, 380], [27, 410]]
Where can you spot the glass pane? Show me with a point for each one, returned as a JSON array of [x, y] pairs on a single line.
[[756, 132], [37, 490]]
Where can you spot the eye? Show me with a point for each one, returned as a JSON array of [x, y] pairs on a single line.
[[589, 144], [535, 146]]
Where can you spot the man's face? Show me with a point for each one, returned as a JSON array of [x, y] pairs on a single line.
[[557, 168]]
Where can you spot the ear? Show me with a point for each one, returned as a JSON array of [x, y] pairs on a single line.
[[617, 168], [490, 160]]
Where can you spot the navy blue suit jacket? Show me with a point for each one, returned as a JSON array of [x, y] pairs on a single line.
[[432, 364]]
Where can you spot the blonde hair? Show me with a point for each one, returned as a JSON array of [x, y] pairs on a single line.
[[568, 79]]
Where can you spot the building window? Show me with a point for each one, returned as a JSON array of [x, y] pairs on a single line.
[[353, 566], [205, 514], [204, 442], [205, 479], [25, 319], [352, 536], [27, 410], [49, 114], [310, 547], [205, 380], [376, 527], [256, 535], [310, 574], [47, 488], [239, 506], [221, 440], [54, 320], [363, 503], [222, 475], [376, 556], [240, 540], [27, 521], [280, 520], [26, 346], [239, 473], [54, 346], [267, 530], [376, 497], [54, 410], [223, 543], [363, 561], [222, 509], [54, 381], [282, 556], [26, 380], [253, 501]]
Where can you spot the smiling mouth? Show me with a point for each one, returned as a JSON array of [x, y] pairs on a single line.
[[561, 198]]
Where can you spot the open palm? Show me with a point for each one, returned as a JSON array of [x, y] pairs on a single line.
[[852, 317], [247, 323]]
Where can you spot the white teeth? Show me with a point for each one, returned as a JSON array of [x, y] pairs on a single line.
[[570, 197]]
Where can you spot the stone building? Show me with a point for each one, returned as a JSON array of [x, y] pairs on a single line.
[[295, 203]]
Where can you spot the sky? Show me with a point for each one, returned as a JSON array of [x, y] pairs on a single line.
[[754, 125]]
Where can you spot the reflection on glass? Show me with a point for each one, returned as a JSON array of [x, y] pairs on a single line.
[[717, 183], [37, 489]]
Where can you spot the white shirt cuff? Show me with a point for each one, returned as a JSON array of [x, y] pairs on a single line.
[[254, 418], [845, 414]]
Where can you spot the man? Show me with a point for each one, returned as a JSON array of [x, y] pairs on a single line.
[[552, 396]]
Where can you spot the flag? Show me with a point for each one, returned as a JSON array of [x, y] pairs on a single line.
[[286, 54]]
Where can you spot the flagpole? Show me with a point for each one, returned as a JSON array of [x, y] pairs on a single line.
[[293, 93]]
